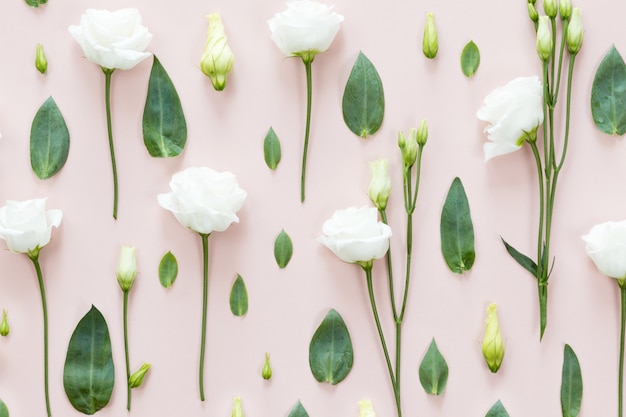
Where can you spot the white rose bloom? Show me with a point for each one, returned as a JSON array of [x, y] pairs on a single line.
[[26, 225], [606, 245]]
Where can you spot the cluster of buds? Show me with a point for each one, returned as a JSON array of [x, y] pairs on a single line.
[[572, 26]]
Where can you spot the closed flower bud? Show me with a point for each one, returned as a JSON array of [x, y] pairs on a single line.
[[493, 347], [366, 409], [550, 7], [266, 372], [136, 379], [41, 63], [430, 43], [127, 268], [380, 183], [565, 9], [4, 325], [544, 38], [422, 133], [532, 12], [217, 59], [408, 147], [575, 32], [237, 409]]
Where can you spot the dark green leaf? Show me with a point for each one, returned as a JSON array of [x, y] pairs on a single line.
[[164, 126], [527, 263], [35, 3], [271, 149], [457, 231], [239, 297], [497, 410], [608, 94], [571, 384], [298, 411], [4, 411], [330, 350], [283, 249], [88, 375], [168, 269], [49, 140], [363, 98], [470, 59], [433, 371]]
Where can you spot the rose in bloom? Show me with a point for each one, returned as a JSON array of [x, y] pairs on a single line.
[[204, 200], [113, 40], [355, 235], [217, 59], [606, 245], [514, 112], [26, 226]]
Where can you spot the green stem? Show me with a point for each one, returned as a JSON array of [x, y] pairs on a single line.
[[620, 384], [126, 350], [392, 295], [35, 258], [205, 293], [309, 93], [107, 93]]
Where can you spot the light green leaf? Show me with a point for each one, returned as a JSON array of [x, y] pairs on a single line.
[[433, 371], [571, 384], [497, 410], [35, 3], [608, 94], [298, 411], [330, 351], [89, 375], [283, 249], [4, 411], [164, 125], [271, 149], [363, 98], [49, 140], [457, 230], [168, 269], [239, 297], [470, 59]]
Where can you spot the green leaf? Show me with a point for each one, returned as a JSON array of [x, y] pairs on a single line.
[[164, 126], [527, 263], [35, 3], [497, 410], [608, 94], [433, 371], [330, 350], [283, 249], [49, 140], [168, 269], [4, 411], [298, 411], [239, 297], [271, 149], [88, 375], [457, 231], [470, 59], [571, 384], [363, 98]]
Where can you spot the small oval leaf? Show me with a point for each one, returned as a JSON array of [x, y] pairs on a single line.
[[330, 351], [363, 98], [49, 140], [298, 411], [571, 384], [497, 410], [4, 411], [433, 371], [283, 249], [608, 94], [457, 231], [239, 297], [88, 374], [168, 269], [271, 149], [470, 59], [164, 125]]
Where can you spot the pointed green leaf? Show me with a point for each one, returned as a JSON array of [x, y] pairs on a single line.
[[271, 149], [164, 125], [298, 411], [497, 410], [330, 350], [239, 297], [457, 231], [283, 249], [433, 371], [88, 375], [571, 384], [527, 263], [49, 140], [168, 269], [35, 3], [4, 411], [363, 98], [470, 59], [608, 94]]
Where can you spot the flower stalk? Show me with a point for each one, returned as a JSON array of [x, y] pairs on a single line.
[[620, 383], [205, 293], [107, 98], [307, 60]]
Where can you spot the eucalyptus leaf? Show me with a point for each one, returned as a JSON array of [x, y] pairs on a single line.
[[571, 384], [527, 263], [608, 94], [330, 351], [283, 249], [470, 59], [433, 371], [4, 411], [239, 297], [271, 149], [49, 140], [164, 125], [363, 98], [168, 269], [298, 411], [35, 3], [457, 230], [89, 375], [497, 410]]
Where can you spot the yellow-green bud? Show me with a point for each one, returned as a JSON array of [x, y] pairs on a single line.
[[217, 59], [532, 2], [4, 325], [575, 32], [532, 12], [237, 409], [565, 9], [136, 379], [266, 372], [550, 7], [380, 183], [493, 347], [366, 409], [544, 38], [408, 147], [422, 133], [41, 63], [430, 43], [127, 268]]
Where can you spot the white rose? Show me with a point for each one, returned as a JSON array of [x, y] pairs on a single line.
[[514, 113], [355, 235], [204, 200], [113, 40], [305, 27], [606, 245], [26, 226]]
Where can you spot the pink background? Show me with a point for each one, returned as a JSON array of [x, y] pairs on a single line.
[[226, 131]]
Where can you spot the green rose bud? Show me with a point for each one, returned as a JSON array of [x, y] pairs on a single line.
[[217, 59], [4, 325], [266, 373], [237, 410], [575, 32], [380, 183], [136, 379], [532, 12], [544, 38], [41, 63], [430, 43], [408, 147], [127, 268], [550, 8], [493, 346], [565, 9], [422, 133]]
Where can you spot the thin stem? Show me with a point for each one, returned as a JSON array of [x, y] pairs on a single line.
[[620, 384], [309, 94], [392, 295], [107, 93], [205, 293], [126, 350], [568, 103], [555, 95], [44, 306]]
